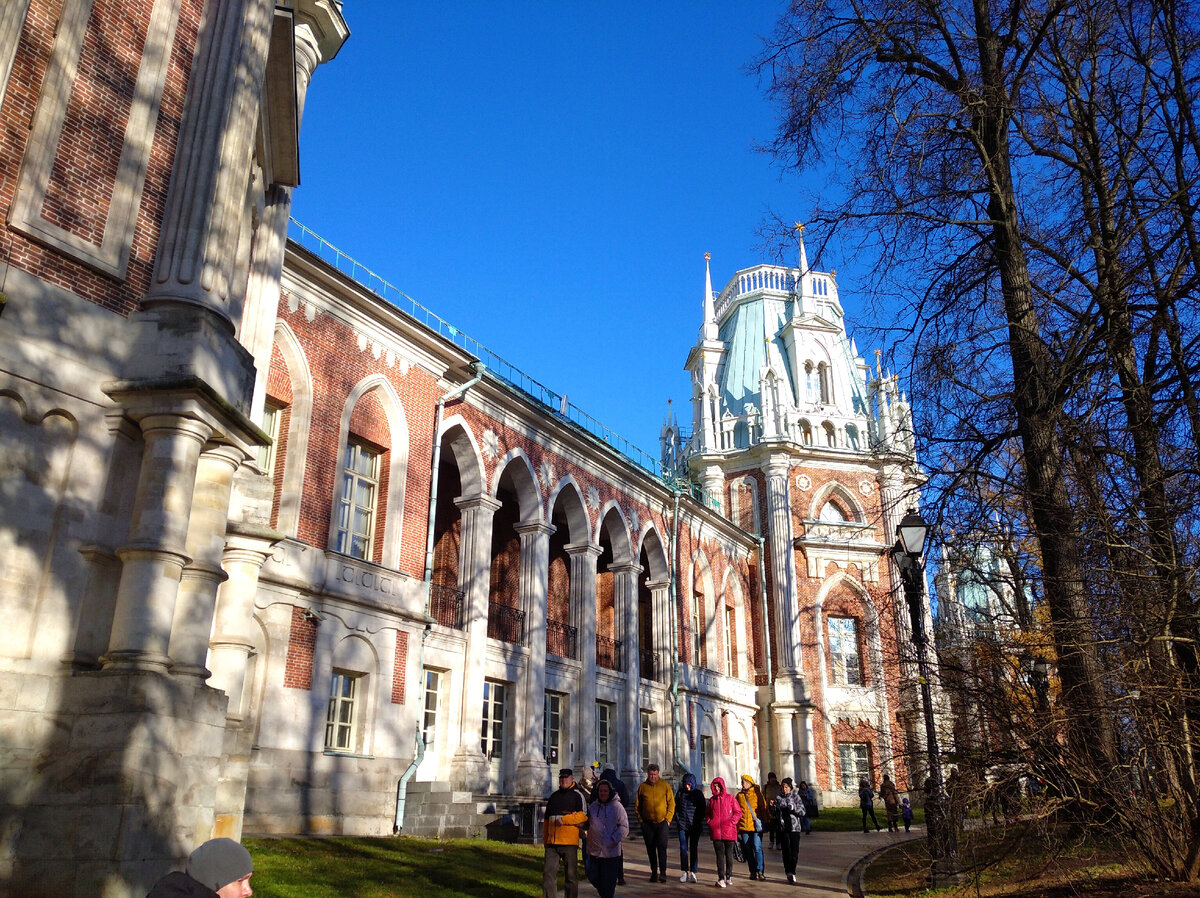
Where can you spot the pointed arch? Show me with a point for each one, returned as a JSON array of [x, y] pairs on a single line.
[[844, 499], [515, 471], [458, 438], [566, 503], [396, 464], [614, 524], [658, 566], [287, 519]]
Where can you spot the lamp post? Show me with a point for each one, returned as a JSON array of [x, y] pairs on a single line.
[[941, 831]]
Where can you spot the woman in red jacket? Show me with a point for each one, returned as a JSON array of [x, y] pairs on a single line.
[[723, 813]]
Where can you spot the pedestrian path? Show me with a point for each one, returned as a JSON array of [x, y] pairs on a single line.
[[826, 859]]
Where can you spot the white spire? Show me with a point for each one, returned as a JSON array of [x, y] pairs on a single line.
[[802, 262], [710, 313]]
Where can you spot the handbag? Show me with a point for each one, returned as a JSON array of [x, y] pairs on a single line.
[[758, 827]]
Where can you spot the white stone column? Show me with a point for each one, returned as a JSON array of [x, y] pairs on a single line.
[[663, 636], [320, 32], [154, 557], [468, 767], [202, 576], [625, 599], [583, 615], [783, 569], [785, 740], [246, 550], [532, 770], [202, 220]]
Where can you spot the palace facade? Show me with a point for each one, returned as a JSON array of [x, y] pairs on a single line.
[[277, 546]]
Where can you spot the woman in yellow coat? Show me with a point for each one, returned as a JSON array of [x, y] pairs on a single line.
[[754, 818]]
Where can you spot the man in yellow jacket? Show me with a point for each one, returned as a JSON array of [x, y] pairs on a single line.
[[566, 811], [655, 808]]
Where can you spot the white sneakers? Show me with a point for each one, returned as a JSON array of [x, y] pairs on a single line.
[[683, 878], [791, 878], [691, 877], [720, 883]]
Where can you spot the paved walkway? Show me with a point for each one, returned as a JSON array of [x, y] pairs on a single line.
[[823, 867]]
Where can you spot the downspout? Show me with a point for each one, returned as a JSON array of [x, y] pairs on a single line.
[[410, 772], [762, 596], [675, 628]]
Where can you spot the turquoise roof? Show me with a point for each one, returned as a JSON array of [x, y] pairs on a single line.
[[745, 331]]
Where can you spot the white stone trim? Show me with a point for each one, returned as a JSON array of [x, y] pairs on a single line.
[[12, 18], [112, 255], [299, 427]]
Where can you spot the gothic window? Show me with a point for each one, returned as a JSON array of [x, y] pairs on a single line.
[[730, 641], [830, 435], [845, 663], [697, 631], [852, 436], [356, 508], [706, 758], [823, 389], [833, 513], [812, 383], [806, 434], [267, 455]]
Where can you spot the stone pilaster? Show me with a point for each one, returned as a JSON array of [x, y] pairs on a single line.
[[625, 597], [533, 773], [468, 767], [202, 576], [154, 558], [583, 614], [789, 682]]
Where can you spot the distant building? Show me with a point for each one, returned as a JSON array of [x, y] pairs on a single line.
[[274, 549]]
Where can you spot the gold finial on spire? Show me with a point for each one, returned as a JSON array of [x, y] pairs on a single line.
[[707, 256], [799, 228], [878, 356]]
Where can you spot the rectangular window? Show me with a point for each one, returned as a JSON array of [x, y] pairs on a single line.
[[740, 758], [605, 735], [340, 720], [706, 758], [856, 763], [270, 425], [356, 512], [843, 651], [730, 642], [697, 633], [647, 723], [555, 713], [433, 701]]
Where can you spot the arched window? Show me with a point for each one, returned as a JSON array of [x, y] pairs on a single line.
[[823, 386]]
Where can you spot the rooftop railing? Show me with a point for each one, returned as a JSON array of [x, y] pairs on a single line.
[[510, 374]]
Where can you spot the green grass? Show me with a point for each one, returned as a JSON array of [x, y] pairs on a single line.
[[849, 820], [395, 868]]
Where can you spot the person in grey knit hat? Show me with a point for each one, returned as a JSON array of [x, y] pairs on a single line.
[[220, 868]]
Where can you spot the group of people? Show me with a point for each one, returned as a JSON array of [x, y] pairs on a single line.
[[895, 808], [594, 811]]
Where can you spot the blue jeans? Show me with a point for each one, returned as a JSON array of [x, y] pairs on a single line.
[[752, 849], [689, 851]]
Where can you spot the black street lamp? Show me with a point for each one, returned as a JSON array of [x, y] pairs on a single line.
[[941, 832]]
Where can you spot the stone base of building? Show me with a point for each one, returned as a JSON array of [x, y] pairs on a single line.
[[120, 787]]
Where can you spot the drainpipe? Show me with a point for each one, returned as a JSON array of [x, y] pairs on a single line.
[[402, 785], [675, 628], [762, 595]]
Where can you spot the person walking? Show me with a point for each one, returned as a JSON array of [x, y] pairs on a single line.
[[608, 825], [566, 812], [689, 815], [891, 803], [866, 801], [789, 814], [655, 807], [751, 824], [906, 813], [770, 792], [722, 814], [622, 791], [809, 796]]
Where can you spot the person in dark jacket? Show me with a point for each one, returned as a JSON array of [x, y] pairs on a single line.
[[866, 802], [689, 814], [220, 868]]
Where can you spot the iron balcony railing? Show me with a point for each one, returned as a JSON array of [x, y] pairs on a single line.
[[608, 653], [506, 624], [561, 639], [446, 605], [648, 664]]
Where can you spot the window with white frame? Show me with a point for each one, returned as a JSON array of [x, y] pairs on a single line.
[[554, 714], [730, 641], [697, 632], [605, 732], [845, 664], [647, 722], [341, 720], [855, 760], [272, 413], [706, 758], [433, 703], [356, 510]]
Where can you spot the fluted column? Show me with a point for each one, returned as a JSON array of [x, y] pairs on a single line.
[[785, 741], [232, 640], [779, 512], [583, 614], [202, 576], [202, 221], [153, 559], [468, 767], [625, 598], [532, 771]]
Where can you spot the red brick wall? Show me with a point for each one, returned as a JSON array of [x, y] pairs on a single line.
[[83, 169], [400, 667], [302, 645]]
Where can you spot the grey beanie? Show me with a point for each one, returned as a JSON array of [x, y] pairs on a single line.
[[218, 862]]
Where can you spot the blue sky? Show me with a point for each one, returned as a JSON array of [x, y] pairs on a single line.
[[548, 176]]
